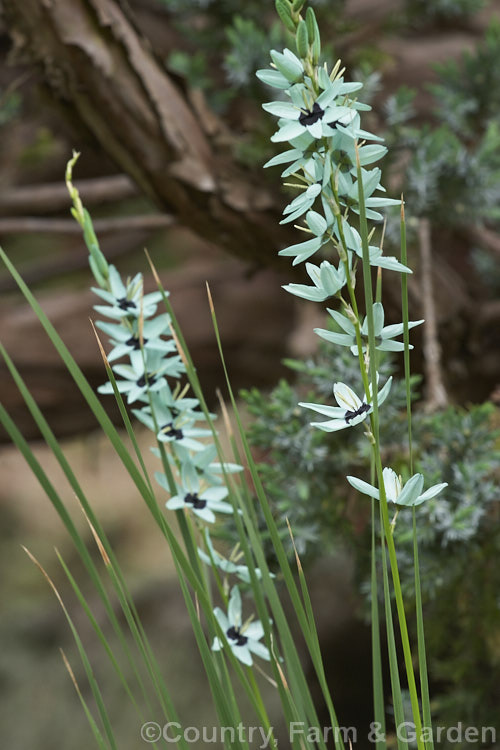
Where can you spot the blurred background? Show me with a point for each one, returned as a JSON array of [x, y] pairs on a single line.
[[161, 99]]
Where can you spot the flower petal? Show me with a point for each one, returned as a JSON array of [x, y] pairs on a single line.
[[431, 492], [392, 484], [259, 649], [329, 411], [364, 487], [345, 397], [411, 490], [234, 608], [255, 630]]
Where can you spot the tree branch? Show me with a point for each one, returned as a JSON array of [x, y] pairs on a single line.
[[35, 225], [35, 199], [93, 58]]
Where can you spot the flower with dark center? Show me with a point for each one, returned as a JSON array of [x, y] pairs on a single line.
[[126, 304], [243, 645], [351, 410], [310, 116], [146, 379], [126, 299], [170, 431], [204, 503], [126, 339], [319, 118], [192, 499], [135, 342], [235, 635], [350, 415], [384, 335], [409, 494]]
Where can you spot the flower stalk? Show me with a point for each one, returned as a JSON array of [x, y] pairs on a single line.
[[329, 148]]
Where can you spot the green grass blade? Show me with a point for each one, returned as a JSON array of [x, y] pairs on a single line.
[[422, 657], [126, 600], [81, 382], [101, 743], [96, 692], [297, 680], [378, 683], [406, 333], [399, 714]]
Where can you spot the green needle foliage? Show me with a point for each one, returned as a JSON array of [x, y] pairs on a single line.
[[453, 173]]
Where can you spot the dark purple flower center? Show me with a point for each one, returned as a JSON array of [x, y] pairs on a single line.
[[146, 379], [125, 304], [135, 342], [170, 431], [235, 635], [350, 415], [310, 116], [192, 499]]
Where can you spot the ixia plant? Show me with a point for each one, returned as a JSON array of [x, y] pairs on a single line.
[[233, 599], [331, 165]]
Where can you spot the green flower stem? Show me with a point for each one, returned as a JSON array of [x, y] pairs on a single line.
[[352, 297], [422, 658], [374, 420], [406, 332], [378, 686], [391, 645]]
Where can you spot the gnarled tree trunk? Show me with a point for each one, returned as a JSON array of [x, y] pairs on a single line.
[[95, 60]]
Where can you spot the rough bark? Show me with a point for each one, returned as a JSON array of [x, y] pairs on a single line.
[[94, 59]]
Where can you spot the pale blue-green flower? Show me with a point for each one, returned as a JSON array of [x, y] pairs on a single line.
[[181, 433], [126, 300], [126, 337], [327, 280], [242, 638], [208, 469], [167, 406], [318, 227], [301, 203], [288, 64], [348, 191], [229, 566], [203, 502], [139, 377], [351, 410], [376, 257], [303, 114], [384, 335], [409, 494]]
